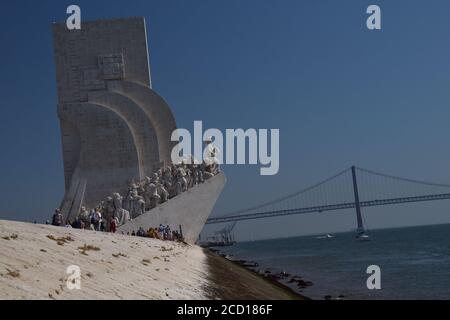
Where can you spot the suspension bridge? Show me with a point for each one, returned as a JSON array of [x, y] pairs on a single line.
[[351, 188]]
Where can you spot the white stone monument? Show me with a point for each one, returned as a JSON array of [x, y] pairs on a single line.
[[114, 127]]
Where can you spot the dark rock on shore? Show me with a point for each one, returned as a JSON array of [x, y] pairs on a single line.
[[247, 264], [329, 297], [301, 283]]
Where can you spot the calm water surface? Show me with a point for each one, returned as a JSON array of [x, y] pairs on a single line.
[[414, 262]]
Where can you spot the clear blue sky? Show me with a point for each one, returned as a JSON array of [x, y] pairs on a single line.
[[339, 93]]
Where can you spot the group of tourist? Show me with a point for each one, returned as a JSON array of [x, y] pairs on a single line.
[[85, 220], [161, 233], [163, 185]]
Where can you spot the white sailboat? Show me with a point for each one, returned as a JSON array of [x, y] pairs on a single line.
[[362, 235], [326, 236]]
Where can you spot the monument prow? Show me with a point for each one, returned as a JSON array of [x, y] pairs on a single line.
[[187, 211]]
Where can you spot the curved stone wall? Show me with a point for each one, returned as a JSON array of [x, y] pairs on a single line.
[[157, 110]]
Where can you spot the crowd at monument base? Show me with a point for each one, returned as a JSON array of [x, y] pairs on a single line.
[[143, 196]]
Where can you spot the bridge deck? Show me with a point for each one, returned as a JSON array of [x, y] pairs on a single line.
[[337, 206]]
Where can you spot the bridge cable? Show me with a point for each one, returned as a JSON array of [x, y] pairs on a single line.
[[404, 179], [285, 197]]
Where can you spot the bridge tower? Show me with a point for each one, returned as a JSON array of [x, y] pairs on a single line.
[[360, 228]]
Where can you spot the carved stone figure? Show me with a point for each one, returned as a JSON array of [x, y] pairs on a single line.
[[167, 178], [181, 182], [129, 199], [137, 205], [108, 208], [151, 195], [212, 163], [121, 214], [162, 192], [198, 174]]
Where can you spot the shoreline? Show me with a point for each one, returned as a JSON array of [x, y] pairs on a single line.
[[276, 279], [267, 287]]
